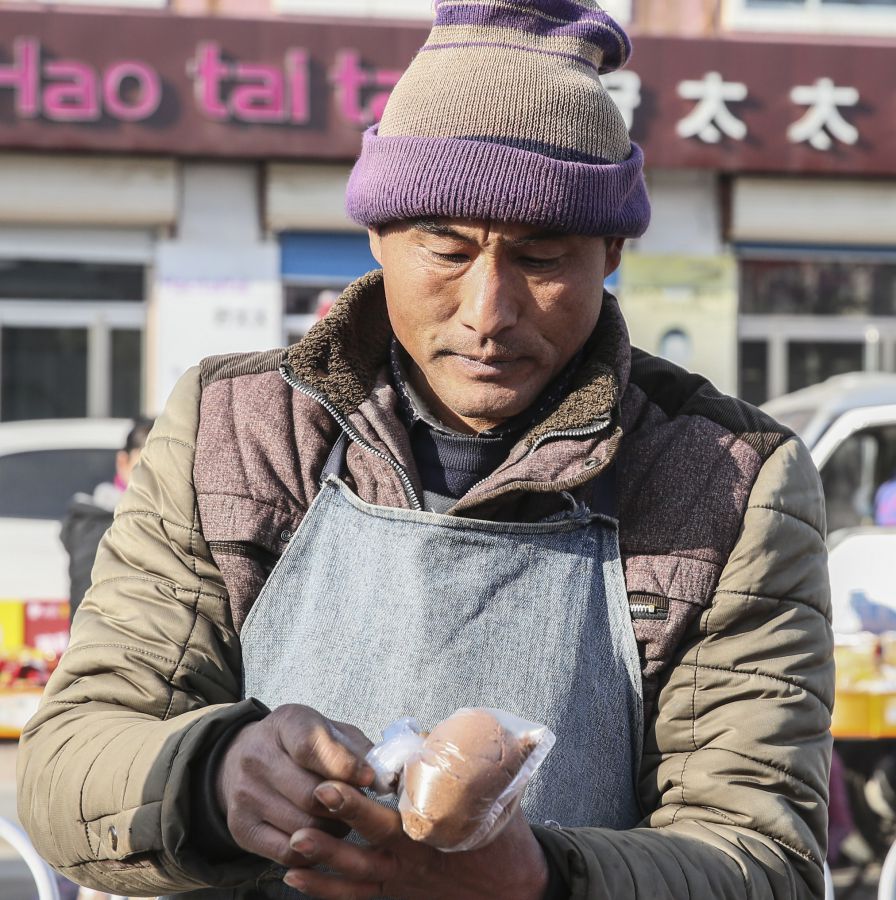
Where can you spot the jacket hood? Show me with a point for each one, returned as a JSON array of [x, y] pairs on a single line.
[[344, 353]]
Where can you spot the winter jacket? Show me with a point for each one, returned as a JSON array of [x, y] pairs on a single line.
[[86, 521], [721, 532]]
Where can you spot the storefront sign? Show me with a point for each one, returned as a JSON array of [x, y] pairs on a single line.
[[305, 89], [195, 319]]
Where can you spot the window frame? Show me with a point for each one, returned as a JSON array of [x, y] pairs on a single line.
[[99, 319], [811, 16]]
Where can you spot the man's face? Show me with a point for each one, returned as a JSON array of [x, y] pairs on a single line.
[[489, 313], [125, 463]]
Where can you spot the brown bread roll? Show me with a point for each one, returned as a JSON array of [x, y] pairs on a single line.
[[466, 763]]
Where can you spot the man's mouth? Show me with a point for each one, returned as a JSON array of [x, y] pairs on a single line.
[[485, 366]]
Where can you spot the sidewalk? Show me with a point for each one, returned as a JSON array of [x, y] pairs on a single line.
[[15, 878]]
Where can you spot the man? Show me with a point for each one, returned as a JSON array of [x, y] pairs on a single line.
[[462, 488], [90, 515]]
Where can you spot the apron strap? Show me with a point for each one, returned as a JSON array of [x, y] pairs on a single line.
[[335, 464], [603, 495]]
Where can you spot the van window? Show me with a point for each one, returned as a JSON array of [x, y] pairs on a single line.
[[38, 484], [853, 475]]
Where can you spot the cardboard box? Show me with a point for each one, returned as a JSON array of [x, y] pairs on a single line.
[[12, 625]]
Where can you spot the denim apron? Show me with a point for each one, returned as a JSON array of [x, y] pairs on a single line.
[[376, 613]]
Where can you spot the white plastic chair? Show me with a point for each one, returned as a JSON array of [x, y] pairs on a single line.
[[886, 887], [828, 884], [41, 873]]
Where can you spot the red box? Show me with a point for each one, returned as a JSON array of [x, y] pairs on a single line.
[[46, 625]]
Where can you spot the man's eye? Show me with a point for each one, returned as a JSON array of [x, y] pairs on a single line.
[[535, 262], [452, 257]]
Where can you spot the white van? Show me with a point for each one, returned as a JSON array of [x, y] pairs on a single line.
[[849, 425], [43, 464]]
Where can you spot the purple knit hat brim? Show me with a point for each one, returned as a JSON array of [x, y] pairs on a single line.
[[400, 178]]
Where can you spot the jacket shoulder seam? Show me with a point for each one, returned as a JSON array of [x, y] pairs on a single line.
[[761, 762], [754, 596], [803, 854], [133, 649], [786, 513], [758, 674], [151, 580], [125, 513], [170, 439]]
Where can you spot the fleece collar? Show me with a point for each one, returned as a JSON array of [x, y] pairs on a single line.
[[344, 353]]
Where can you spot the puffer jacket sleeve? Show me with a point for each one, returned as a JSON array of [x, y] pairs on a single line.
[[735, 775], [151, 676]]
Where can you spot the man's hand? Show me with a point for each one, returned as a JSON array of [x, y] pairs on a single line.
[[265, 784], [512, 867]]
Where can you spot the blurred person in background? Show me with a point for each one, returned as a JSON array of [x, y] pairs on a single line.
[[885, 503], [90, 515]]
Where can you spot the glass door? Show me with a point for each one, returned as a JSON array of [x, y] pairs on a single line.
[[71, 339], [808, 315]]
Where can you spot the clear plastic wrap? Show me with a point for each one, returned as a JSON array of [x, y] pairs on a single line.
[[459, 785]]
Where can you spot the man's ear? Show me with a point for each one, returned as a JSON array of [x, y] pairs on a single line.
[[376, 244], [614, 255]]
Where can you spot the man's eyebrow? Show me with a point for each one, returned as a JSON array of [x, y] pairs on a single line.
[[443, 229], [535, 238], [439, 229]]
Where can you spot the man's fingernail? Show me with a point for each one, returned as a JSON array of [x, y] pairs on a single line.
[[330, 797], [366, 775], [304, 845], [294, 881]]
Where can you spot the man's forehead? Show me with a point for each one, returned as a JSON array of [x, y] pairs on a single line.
[[481, 231]]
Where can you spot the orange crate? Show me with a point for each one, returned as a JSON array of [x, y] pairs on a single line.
[[864, 714]]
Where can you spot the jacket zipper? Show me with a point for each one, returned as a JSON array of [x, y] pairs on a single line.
[[648, 606], [289, 376], [586, 431]]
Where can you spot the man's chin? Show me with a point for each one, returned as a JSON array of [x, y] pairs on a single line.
[[489, 406]]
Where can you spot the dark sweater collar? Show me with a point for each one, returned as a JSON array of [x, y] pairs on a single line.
[[413, 408]]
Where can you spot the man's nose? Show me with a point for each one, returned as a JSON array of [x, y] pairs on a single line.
[[489, 307]]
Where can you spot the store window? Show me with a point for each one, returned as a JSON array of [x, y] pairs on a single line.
[[71, 339], [812, 316], [817, 287], [316, 267]]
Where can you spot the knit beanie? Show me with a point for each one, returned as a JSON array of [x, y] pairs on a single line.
[[502, 116]]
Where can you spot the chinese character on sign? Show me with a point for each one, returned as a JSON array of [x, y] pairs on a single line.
[[823, 99], [711, 118], [624, 89]]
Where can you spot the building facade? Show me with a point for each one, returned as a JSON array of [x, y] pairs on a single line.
[[178, 191]]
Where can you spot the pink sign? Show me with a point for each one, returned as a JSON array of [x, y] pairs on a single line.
[[71, 90], [295, 88]]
